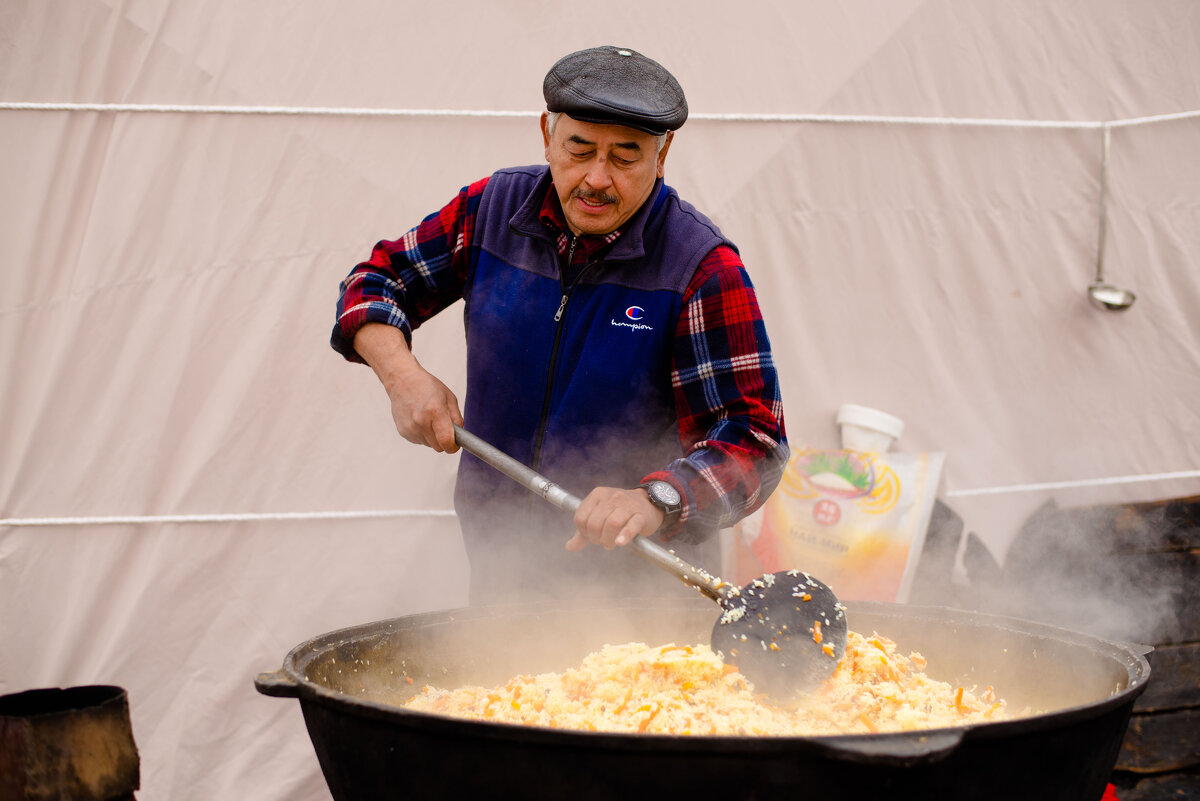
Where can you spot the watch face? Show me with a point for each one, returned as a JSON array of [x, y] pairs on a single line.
[[665, 493]]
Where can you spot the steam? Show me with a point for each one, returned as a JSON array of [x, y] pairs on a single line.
[[1104, 571], [516, 540]]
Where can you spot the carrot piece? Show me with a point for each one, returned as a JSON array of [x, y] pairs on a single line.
[[642, 726]]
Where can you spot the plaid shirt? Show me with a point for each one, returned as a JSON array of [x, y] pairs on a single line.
[[726, 390]]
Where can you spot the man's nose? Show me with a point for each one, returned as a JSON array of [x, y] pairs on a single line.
[[597, 175]]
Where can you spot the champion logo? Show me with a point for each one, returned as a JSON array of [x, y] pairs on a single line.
[[634, 315]]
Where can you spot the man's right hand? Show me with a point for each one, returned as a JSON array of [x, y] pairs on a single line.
[[423, 408]]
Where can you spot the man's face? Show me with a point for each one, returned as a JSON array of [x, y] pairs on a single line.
[[602, 173]]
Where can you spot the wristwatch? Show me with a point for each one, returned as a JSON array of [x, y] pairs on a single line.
[[665, 497]]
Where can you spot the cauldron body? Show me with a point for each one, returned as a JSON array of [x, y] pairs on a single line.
[[350, 682]]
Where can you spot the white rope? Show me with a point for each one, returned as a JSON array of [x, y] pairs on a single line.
[[221, 518], [359, 515], [1087, 482], [1181, 115], [283, 110], [950, 121], [416, 112], [887, 120]]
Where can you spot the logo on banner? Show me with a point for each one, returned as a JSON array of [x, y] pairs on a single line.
[[827, 512]]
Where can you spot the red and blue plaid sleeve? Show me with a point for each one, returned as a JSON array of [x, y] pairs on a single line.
[[408, 280], [726, 396]]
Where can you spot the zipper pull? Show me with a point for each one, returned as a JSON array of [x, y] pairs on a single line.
[[562, 305]]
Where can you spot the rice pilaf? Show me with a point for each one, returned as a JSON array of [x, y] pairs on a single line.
[[690, 690]]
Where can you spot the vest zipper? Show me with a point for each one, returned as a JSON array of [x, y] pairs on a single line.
[[566, 290], [558, 334]]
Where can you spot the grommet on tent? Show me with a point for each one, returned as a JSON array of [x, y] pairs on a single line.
[[1103, 295]]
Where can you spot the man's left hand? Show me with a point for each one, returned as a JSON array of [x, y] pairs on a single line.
[[612, 517]]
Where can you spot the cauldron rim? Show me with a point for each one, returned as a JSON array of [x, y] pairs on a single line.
[[1129, 655]]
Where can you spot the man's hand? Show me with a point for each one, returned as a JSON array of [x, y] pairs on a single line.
[[612, 517], [423, 408]]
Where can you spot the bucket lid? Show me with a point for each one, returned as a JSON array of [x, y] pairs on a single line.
[[874, 419]]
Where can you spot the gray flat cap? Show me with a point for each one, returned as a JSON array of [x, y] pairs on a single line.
[[616, 86]]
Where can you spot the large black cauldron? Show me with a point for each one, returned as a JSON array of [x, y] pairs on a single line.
[[371, 750]]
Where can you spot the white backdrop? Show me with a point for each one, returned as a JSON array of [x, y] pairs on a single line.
[[188, 473]]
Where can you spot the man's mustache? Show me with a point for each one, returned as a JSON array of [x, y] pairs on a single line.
[[593, 197]]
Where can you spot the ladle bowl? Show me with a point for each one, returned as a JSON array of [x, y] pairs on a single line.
[[1110, 298]]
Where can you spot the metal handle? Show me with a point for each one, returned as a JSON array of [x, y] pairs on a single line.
[[527, 477], [538, 484]]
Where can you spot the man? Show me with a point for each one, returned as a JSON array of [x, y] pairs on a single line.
[[614, 344]]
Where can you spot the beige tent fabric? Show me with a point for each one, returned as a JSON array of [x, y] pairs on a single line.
[[168, 281]]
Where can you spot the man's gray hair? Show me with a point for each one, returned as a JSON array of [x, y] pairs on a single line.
[[552, 120]]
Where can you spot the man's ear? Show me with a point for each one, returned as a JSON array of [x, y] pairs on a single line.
[[546, 133], [662, 154]]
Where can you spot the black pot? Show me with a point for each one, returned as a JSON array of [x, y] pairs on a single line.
[[369, 749], [74, 743]]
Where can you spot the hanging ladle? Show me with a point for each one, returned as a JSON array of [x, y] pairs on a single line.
[[785, 631], [1102, 295]]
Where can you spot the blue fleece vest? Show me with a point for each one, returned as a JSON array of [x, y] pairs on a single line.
[[573, 381]]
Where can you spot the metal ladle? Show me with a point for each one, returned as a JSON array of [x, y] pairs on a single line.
[[785, 631], [1103, 295]]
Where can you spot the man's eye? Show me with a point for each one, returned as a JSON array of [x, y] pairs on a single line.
[[580, 155]]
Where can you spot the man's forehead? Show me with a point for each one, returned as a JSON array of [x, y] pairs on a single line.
[[593, 133], [579, 139]]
